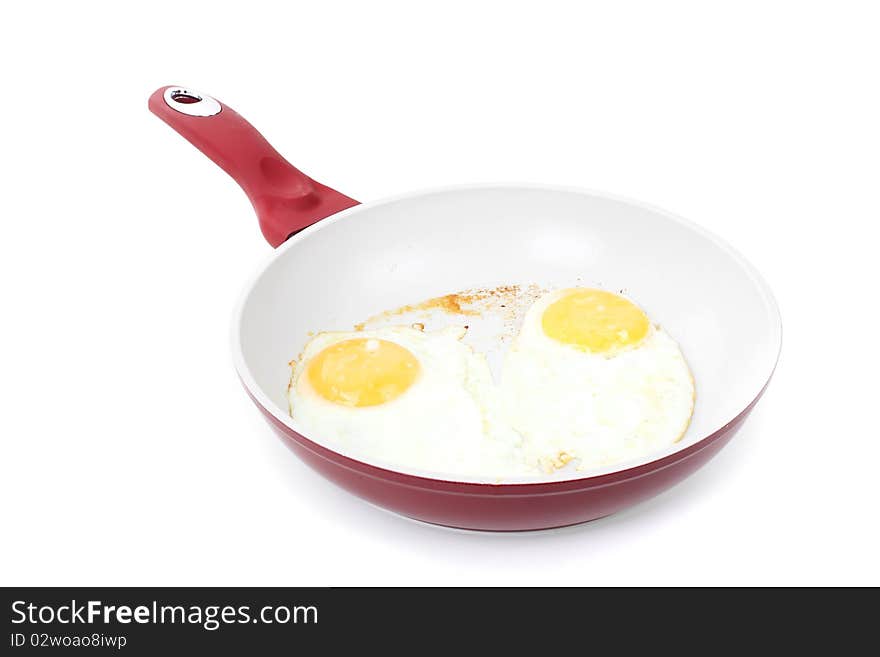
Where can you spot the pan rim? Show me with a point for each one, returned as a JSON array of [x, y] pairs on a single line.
[[683, 445]]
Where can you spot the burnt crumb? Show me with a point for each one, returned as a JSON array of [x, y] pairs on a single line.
[[473, 302]]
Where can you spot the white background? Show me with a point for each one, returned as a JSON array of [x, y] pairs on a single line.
[[132, 456]]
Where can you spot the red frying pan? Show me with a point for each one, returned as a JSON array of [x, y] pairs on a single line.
[[338, 262]]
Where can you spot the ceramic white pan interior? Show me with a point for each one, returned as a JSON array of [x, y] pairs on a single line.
[[381, 256]]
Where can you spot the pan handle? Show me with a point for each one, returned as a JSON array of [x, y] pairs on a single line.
[[285, 199]]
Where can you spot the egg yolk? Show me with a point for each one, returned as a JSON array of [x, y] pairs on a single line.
[[362, 372], [595, 321]]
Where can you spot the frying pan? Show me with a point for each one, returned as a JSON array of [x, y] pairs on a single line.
[[338, 262]]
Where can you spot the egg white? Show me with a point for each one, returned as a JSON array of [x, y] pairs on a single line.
[[446, 422], [557, 407], [593, 409]]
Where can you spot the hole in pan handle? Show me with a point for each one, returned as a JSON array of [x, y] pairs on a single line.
[[285, 199]]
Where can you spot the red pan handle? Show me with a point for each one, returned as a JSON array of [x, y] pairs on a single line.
[[285, 199]]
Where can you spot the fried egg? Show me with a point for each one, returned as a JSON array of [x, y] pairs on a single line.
[[404, 397], [590, 380]]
